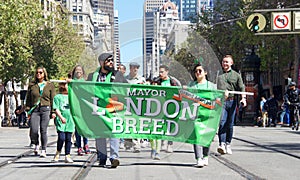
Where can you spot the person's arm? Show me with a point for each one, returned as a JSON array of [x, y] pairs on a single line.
[[58, 113], [241, 87], [52, 94]]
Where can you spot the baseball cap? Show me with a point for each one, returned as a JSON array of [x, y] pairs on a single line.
[[292, 84], [134, 64], [104, 56]]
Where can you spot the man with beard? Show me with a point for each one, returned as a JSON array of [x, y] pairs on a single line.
[[106, 73]]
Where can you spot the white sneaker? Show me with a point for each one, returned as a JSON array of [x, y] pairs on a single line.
[[200, 163], [228, 149], [144, 144], [205, 161], [156, 157], [169, 149], [222, 149], [163, 147], [122, 146], [68, 159], [43, 154], [31, 146], [36, 149]]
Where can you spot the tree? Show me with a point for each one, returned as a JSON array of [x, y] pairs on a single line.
[[57, 48], [226, 32], [28, 40], [15, 50]]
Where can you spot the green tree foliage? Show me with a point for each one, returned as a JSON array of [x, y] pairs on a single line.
[[57, 48], [226, 32], [28, 40], [19, 19]]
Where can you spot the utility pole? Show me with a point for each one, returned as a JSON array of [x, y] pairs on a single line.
[[297, 59]]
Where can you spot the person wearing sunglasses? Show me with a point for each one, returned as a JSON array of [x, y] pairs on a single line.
[[78, 74], [107, 73], [39, 100], [200, 81]]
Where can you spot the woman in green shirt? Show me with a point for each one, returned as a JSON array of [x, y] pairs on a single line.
[[199, 74]]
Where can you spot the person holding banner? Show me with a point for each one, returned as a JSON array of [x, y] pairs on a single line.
[[39, 100], [79, 75], [134, 78], [232, 81], [106, 73], [200, 81], [166, 80]]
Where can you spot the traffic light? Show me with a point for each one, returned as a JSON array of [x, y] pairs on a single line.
[[254, 25], [256, 22]]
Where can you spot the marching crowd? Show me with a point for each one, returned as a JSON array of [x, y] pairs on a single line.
[[43, 103]]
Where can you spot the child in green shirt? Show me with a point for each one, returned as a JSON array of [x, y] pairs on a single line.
[[64, 123]]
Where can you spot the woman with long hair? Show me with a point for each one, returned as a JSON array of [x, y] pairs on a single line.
[[39, 101]]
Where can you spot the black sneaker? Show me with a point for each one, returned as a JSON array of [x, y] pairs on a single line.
[[102, 163]]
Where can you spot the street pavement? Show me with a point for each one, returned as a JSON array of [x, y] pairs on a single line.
[[258, 153]]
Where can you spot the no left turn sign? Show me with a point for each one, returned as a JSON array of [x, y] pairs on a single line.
[[281, 21]]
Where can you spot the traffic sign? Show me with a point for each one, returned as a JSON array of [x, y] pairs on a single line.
[[281, 21], [256, 22], [296, 20]]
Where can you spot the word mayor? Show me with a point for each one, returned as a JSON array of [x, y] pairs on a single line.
[[148, 121]]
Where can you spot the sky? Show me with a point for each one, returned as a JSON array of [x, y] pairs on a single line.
[[130, 28]]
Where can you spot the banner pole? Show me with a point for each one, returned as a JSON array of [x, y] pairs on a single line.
[[242, 93]]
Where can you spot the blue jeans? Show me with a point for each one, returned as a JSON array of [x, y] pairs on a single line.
[[285, 114], [64, 137], [78, 140], [102, 150], [227, 120], [39, 120]]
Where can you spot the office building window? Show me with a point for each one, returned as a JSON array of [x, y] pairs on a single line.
[[74, 18]]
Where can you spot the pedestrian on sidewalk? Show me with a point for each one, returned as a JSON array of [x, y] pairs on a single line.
[[284, 115], [263, 111], [230, 80], [64, 123], [39, 100], [200, 81], [272, 109]]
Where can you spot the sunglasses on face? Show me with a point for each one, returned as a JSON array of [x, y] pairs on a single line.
[[39, 72], [109, 60], [198, 71]]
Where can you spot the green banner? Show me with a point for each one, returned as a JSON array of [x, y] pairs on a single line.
[[145, 111]]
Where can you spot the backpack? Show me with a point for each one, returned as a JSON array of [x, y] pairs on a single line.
[[266, 106]]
